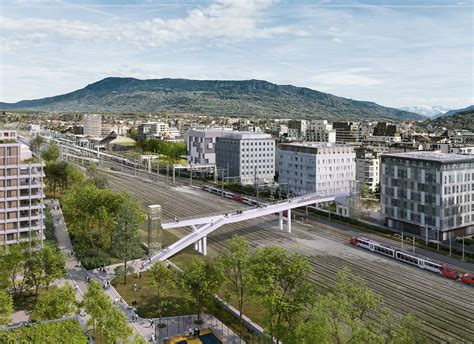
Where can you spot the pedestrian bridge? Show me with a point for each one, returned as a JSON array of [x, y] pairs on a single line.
[[203, 226]]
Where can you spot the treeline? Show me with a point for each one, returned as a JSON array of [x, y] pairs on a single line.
[[460, 120], [291, 309], [172, 151]]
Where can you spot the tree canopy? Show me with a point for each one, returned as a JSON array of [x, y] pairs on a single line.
[[56, 303], [201, 280], [351, 313], [172, 150], [91, 214], [6, 307], [281, 284]]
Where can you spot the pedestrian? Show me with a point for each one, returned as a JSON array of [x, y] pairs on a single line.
[[116, 300], [152, 322], [153, 338]]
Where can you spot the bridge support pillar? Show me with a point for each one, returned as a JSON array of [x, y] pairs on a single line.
[[200, 246], [280, 220], [289, 220], [204, 246], [196, 247]]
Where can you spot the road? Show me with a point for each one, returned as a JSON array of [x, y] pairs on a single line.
[[444, 308]]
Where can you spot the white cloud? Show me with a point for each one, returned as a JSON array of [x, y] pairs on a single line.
[[223, 19], [349, 77]]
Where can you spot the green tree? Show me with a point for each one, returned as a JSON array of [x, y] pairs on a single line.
[[116, 327], [13, 265], [6, 307], [53, 264], [56, 303], [36, 144], [346, 315], [163, 279], [51, 154], [126, 241], [109, 323], [201, 281], [98, 178], [97, 305], [91, 215], [280, 281], [235, 265]]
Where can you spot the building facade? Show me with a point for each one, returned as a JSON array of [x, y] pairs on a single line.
[[21, 192], [428, 192], [152, 130], [368, 168], [202, 145], [321, 168], [386, 129], [347, 131], [297, 128], [247, 157], [92, 125], [320, 131]]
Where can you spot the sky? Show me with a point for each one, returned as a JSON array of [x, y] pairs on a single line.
[[394, 52]]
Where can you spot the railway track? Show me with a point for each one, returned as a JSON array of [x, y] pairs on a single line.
[[444, 308]]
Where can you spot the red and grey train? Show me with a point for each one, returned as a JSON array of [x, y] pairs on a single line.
[[422, 263], [231, 195]]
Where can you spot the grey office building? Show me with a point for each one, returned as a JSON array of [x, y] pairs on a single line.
[[427, 192], [247, 157]]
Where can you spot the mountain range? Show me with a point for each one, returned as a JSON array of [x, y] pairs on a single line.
[[459, 119], [427, 111], [468, 109], [211, 97]]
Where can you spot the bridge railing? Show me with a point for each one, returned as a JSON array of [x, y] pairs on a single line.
[[244, 208]]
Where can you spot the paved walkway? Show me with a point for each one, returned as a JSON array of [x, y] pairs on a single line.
[[77, 276]]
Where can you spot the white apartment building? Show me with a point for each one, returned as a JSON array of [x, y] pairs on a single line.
[[92, 125], [320, 131], [313, 167], [428, 193], [247, 157], [153, 130], [202, 145], [21, 192], [368, 168]]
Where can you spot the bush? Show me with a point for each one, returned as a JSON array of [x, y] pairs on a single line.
[[67, 331]]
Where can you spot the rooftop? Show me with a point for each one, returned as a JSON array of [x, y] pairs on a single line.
[[317, 144], [445, 158], [246, 135]]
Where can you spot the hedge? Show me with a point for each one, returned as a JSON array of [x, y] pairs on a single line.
[[67, 331]]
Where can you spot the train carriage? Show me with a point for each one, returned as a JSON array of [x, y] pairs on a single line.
[[468, 278], [422, 263]]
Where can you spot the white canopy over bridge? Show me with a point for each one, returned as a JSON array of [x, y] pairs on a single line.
[[203, 226]]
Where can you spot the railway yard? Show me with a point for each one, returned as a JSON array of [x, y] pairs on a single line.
[[445, 308]]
